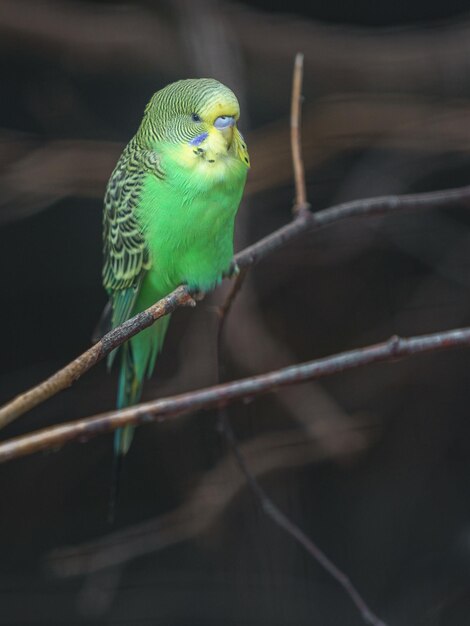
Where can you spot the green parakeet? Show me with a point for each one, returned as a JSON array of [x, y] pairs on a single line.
[[169, 214]]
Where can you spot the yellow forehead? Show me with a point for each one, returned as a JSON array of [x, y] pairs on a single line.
[[221, 106]]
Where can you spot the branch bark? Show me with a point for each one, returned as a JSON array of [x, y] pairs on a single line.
[[220, 395]]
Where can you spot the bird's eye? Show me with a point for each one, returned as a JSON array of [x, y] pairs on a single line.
[[195, 117]]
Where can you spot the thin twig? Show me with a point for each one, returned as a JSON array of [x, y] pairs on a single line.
[[229, 300], [303, 222], [220, 395], [300, 203], [294, 531]]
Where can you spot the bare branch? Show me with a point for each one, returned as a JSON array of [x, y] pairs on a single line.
[[220, 395], [304, 222], [296, 145], [275, 513]]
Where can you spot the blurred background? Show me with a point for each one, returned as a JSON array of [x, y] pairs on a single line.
[[373, 464]]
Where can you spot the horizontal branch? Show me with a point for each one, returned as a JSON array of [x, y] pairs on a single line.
[[221, 395], [303, 222]]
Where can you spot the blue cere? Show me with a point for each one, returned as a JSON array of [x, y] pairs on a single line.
[[224, 121], [199, 139]]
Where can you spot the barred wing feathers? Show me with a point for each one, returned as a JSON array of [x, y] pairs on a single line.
[[126, 255]]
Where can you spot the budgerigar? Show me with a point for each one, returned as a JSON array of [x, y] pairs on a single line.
[[169, 214]]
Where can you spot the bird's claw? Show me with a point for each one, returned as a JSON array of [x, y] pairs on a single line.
[[196, 294], [233, 271]]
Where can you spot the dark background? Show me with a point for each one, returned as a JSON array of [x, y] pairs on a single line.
[[373, 464]]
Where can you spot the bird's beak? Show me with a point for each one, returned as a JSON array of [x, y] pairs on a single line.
[[225, 124]]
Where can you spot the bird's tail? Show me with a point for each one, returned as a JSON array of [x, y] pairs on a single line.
[[138, 358], [129, 392]]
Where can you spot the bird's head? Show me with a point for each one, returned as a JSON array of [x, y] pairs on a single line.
[[196, 112]]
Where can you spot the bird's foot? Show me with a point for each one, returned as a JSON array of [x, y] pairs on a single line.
[[196, 294], [233, 271]]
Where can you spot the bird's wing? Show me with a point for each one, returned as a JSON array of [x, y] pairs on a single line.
[[126, 255]]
